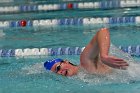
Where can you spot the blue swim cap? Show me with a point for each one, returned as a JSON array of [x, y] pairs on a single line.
[[48, 64]]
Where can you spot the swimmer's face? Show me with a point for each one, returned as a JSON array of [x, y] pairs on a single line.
[[63, 68]]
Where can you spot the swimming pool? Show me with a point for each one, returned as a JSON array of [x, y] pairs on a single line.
[[19, 74]]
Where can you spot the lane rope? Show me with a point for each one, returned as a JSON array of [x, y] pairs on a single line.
[[71, 21], [75, 5], [132, 50]]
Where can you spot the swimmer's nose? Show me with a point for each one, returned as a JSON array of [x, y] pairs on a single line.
[[62, 72]]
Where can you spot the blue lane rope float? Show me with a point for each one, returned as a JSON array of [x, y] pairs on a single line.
[[132, 50], [71, 21], [75, 5]]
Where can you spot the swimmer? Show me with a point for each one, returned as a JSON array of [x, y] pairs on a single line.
[[95, 58]]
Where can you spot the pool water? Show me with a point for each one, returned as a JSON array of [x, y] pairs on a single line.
[[21, 74], [65, 36]]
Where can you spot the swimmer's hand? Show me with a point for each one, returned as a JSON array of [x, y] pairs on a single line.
[[114, 62]]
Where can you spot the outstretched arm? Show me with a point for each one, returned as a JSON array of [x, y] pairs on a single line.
[[103, 42]]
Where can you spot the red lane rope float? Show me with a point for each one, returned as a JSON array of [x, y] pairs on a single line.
[[69, 5], [23, 23]]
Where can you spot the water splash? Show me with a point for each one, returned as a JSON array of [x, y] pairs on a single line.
[[132, 74], [34, 69]]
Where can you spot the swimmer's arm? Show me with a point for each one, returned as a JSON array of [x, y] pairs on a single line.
[[103, 40], [114, 62]]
